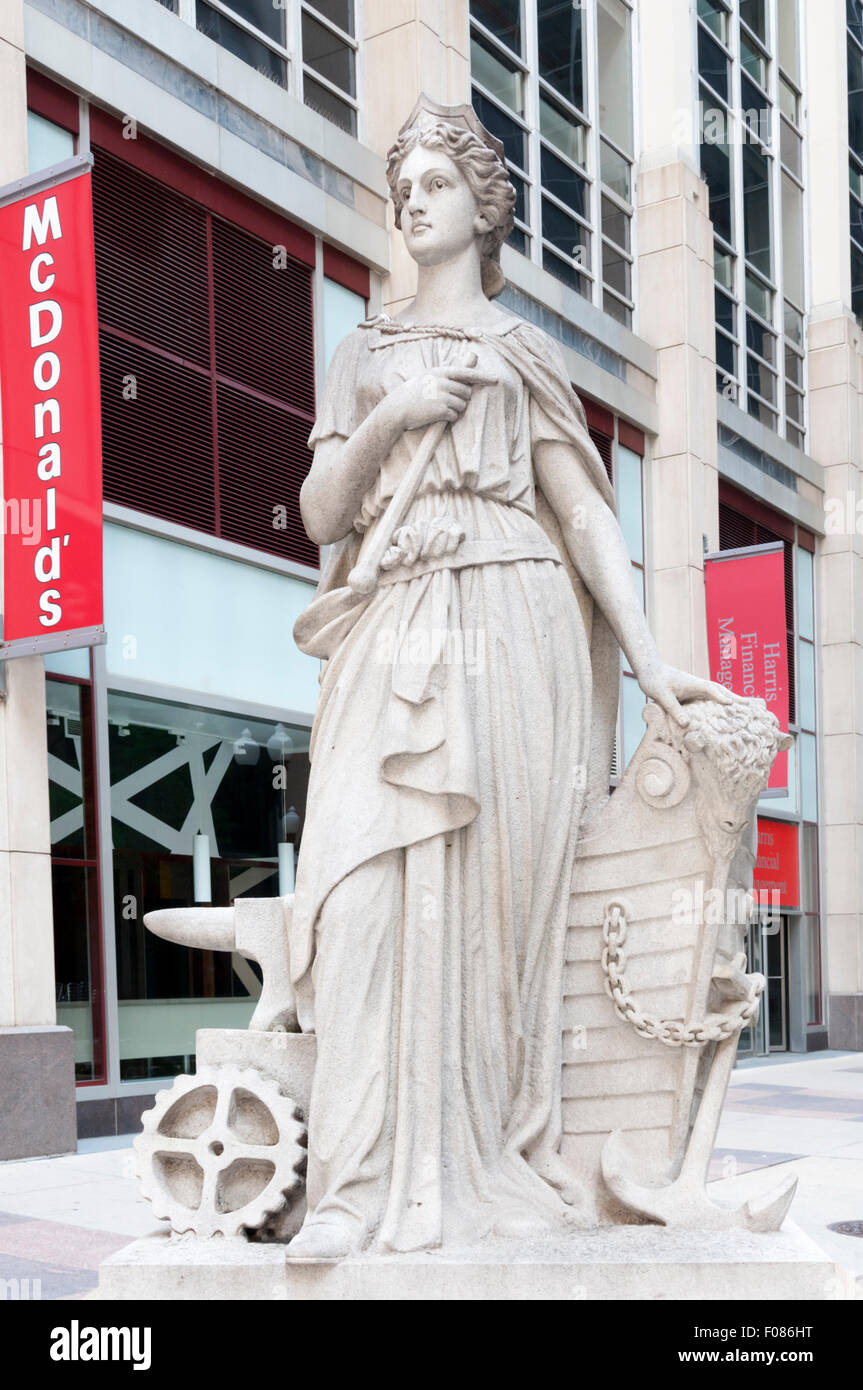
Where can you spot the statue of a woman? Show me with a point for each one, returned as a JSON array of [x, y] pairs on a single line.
[[465, 723]]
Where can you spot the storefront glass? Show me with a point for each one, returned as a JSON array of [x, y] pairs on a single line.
[[177, 771], [74, 873]]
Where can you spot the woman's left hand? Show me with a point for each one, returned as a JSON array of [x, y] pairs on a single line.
[[669, 687]]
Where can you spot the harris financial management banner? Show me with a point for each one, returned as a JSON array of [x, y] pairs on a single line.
[[49, 395], [746, 635]]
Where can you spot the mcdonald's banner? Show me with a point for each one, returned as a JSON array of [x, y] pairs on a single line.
[[49, 393]]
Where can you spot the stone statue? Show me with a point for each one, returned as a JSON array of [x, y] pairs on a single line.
[[466, 893]]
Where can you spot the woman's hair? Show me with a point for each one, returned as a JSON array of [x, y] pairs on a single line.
[[485, 175]]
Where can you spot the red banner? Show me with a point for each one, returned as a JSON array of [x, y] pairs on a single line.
[[49, 386], [746, 633], [776, 868]]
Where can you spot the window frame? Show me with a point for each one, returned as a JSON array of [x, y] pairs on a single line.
[[537, 246], [740, 133]]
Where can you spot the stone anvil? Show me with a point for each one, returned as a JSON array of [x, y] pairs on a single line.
[[655, 995]]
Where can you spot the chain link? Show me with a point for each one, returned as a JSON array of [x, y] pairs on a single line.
[[672, 1032]]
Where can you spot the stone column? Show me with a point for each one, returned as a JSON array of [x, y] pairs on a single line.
[[37, 1075], [675, 315], [410, 46], [836, 441]]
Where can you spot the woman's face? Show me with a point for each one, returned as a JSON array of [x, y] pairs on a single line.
[[439, 213]]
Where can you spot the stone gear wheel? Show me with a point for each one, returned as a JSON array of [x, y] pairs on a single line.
[[221, 1152]]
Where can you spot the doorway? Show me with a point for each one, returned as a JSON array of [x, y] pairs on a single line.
[[767, 954]]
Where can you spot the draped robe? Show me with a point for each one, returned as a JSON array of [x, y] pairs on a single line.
[[465, 724]]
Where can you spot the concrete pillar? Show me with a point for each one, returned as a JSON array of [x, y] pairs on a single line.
[[836, 441], [675, 299], [37, 1075], [411, 46]]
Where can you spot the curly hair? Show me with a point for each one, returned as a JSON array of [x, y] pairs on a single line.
[[743, 737], [485, 175]]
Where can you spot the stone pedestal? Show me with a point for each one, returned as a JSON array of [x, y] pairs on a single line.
[[37, 1092], [625, 1263]]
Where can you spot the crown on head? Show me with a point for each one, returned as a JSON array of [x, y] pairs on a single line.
[[427, 112]]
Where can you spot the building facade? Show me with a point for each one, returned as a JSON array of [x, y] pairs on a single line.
[[689, 228]]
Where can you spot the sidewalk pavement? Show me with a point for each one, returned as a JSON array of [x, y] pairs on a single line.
[[60, 1217]]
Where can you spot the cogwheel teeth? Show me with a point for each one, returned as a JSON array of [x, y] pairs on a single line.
[[220, 1152]]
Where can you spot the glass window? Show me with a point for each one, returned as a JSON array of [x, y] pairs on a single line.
[[504, 127], [855, 98], [716, 171], [617, 309], [329, 55], [266, 16], [615, 72], [760, 339], [789, 102], [756, 208], [561, 59], [856, 218], [632, 702], [561, 180], [565, 234], [758, 297], [614, 171], [808, 782], [753, 62], [761, 380], [791, 148], [565, 271], [326, 103], [857, 281], [805, 594], [177, 770], [756, 110], [520, 185], [723, 267], [616, 270], [806, 685], [752, 12], [502, 18], [74, 873], [713, 63], [792, 240], [340, 12], [241, 43], [562, 129], [786, 19], [500, 77], [809, 865], [794, 325], [725, 311], [615, 223], [47, 143], [726, 360], [629, 502], [715, 16], [343, 310], [813, 964]]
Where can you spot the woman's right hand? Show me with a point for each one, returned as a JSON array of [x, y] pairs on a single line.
[[441, 393]]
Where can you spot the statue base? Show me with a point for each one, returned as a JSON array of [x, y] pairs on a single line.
[[624, 1262]]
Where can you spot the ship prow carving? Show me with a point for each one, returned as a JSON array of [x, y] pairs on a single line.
[[655, 987]]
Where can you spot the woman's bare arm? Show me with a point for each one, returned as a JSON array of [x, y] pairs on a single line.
[[595, 543]]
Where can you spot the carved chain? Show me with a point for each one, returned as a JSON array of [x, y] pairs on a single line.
[[714, 1028]]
